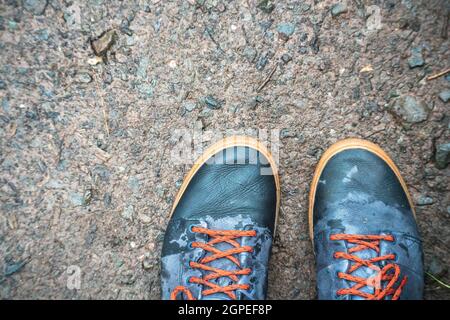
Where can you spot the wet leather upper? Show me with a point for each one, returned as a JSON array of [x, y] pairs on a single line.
[[358, 193], [235, 190]]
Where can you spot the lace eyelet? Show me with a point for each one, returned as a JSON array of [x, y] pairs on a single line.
[[394, 241], [191, 227]]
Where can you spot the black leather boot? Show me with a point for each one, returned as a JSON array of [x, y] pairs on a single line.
[[363, 226], [219, 237]]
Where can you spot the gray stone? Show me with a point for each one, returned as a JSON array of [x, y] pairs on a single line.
[[12, 25], [250, 53], [445, 95], [189, 106], [266, 5], [101, 172], [128, 212], [104, 42], [83, 78], [76, 199], [134, 184], [410, 109], [442, 156], [148, 263], [14, 267], [338, 9], [127, 278], [262, 61], [36, 7], [424, 200], [206, 113], [212, 103], [286, 58], [286, 133], [286, 30], [42, 35], [416, 59], [72, 16]]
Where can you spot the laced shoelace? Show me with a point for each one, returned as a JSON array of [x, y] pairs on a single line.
[[390, 273], [218, 236]]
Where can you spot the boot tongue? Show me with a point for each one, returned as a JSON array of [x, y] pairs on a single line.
[[226, 223], [223, 264], [365, 272]]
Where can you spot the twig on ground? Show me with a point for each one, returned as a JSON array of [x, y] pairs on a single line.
[[102, 102], [438, 281], [208, 31], [267, 79], [374, 133], [440, 74]]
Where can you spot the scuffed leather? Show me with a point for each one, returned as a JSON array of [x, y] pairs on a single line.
[[229, 193], [359, 194]]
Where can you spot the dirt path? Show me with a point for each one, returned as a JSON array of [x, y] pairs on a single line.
[[86, 146]]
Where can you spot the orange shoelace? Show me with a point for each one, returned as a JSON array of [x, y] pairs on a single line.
[[218, 236], [389, 273]]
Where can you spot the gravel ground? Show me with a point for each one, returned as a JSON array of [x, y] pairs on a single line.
[[86, 142]]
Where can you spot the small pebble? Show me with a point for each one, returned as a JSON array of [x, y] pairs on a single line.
[[286, 133], [83, 78], [266, 6], [250, 53], [212, 103], [285, 30], [262, 61], [424, 200], [189, 106], [416, 58], [14, 267], [104, 42], [410, 109], [338, 9], [76, 199], [36, 7], [445, 95], [286, 58], [442, 156], [128, 212]]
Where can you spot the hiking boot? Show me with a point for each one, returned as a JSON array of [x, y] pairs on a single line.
[[219, 236], [362, 223]]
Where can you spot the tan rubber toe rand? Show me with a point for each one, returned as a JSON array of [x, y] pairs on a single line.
[[228, 142], [345, 145]]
